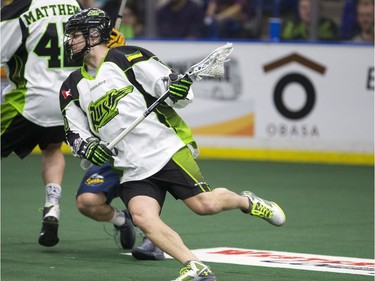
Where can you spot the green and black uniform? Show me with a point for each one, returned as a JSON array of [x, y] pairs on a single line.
[[33, 55], [108, 101]]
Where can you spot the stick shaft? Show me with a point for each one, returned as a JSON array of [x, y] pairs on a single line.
[[86, 164], [138, 120], [120, 14]]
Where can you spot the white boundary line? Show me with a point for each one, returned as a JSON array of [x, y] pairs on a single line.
[[288, 260]]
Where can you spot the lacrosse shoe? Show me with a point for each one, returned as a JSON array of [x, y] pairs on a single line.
[[196, 271], [147, 251], [267, 210], [48, 234], [126, 231]]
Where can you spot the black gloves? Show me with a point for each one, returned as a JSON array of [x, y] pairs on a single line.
[[179, 87], [95, 151]]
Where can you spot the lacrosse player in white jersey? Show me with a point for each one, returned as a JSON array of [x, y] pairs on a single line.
[[104, 97], [32, 53], [33, 56]]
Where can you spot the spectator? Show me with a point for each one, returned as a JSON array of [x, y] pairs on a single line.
[[365, 21], [136, 8], [298, 28], [348, 24], [225, 19], [179, 19], [130, 26]]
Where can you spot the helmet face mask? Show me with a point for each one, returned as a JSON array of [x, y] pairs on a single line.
[[74, 41], [91, 24]]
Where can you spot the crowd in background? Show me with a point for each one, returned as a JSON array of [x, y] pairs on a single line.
[[241, 19]]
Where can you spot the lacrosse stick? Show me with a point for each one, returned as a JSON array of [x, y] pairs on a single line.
[[120, 14], [210, 66]]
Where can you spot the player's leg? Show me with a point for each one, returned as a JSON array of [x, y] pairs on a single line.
[[53, 165], [94, 205], [98, 188], [182, 178], [145, 199], [95, 193], [222, 199], [145, 212], [206, 202], [218, 200], [21, 136]]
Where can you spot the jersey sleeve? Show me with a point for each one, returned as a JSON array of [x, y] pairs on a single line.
[[75, 121], [152, 75], [10, 29]]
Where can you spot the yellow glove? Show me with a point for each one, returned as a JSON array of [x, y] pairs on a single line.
[[116, 39]]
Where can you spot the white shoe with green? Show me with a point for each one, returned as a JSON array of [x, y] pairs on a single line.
[[196, 271], [267, 210]]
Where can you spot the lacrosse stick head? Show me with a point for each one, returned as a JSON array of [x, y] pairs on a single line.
[[213, 64]]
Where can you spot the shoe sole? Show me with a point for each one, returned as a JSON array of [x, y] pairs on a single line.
[[48, 235]]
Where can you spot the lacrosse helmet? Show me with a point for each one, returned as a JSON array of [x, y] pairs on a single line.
[[92, 23]]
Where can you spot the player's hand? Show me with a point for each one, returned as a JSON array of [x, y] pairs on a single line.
[[116, 39], [95, 151], [179, 87]]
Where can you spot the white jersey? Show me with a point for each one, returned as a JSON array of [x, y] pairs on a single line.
[[128, 81], [32, 53]]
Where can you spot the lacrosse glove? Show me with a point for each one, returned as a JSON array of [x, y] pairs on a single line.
[[95, 151], [179, 87], [116, 39]]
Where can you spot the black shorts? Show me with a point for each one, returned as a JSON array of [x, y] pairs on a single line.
[[22, 136], [180, 177]]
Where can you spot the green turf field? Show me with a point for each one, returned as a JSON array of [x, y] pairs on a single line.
[[329, 208]]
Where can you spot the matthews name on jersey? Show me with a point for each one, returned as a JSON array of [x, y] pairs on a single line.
[[106, 102], [36, 30]]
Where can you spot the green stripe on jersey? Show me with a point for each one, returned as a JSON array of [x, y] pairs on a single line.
[[186, 162]]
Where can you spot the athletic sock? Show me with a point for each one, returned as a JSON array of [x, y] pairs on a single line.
[[53, 194], [118, 218]]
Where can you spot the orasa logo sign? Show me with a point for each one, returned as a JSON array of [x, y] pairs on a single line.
[[291, 78]]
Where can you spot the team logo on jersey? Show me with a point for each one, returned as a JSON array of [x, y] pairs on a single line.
[[134, 55], [105, 109], [66, 94]]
